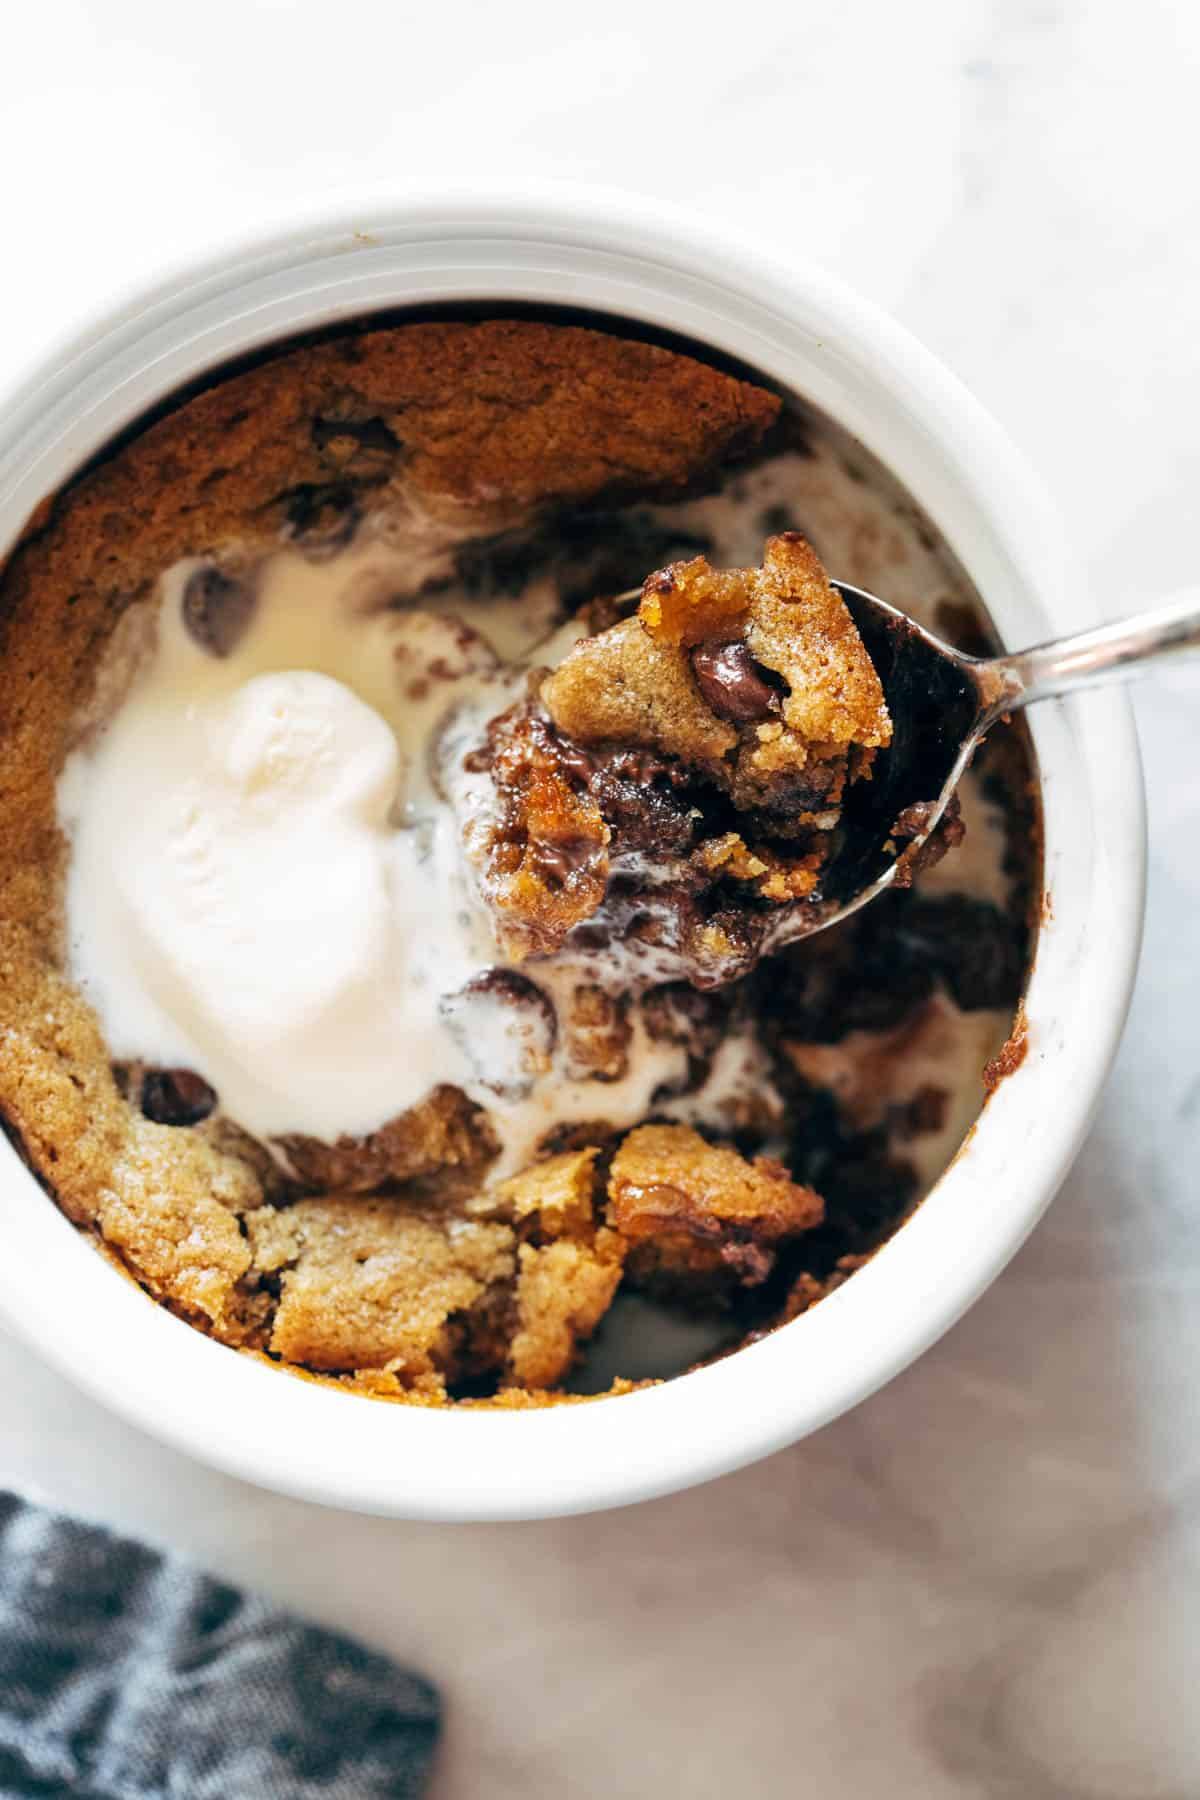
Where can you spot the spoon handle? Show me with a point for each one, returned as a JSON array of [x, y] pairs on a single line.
[[1108, 653]]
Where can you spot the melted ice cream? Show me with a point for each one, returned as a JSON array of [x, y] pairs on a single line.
[[268, 886], [267, 881]]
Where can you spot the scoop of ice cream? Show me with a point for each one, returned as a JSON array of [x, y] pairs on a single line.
[[258, 889], [263, 886]]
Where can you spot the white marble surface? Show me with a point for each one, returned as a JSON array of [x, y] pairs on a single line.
[[983, 1583]]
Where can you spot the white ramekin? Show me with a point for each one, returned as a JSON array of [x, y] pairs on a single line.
[[619, 256]]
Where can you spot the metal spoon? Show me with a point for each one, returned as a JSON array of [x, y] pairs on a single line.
[[942, 705]]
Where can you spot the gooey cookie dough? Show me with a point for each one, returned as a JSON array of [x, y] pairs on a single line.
[[450, 493]]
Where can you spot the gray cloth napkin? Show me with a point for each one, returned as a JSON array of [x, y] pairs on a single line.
[[127, 1675]]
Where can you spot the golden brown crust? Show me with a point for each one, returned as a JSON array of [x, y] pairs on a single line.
[[627, 687], [374, 1283], [694, 1211], [110, 1168], [556, 1197], [432, 1297], [445, 1131], [563, 1291], [568, 1267]]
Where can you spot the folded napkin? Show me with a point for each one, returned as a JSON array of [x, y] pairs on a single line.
[[127, 1675]]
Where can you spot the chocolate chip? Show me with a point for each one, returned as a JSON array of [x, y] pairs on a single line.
[[508, 1028], [581, 764], [659, 581], [176, 1097], [925, 1112], [216, 608], [321, 516], [560, 858], [643, 798], [734, 685]]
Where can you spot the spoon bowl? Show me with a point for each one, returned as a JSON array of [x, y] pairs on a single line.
[[942, 704]]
